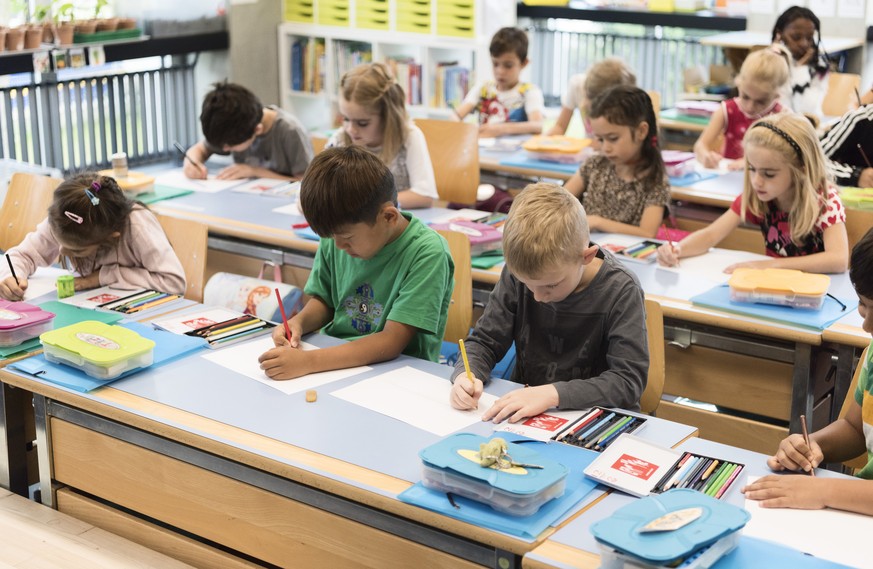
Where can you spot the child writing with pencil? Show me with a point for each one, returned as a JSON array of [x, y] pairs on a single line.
[[575, 313], [763, 73], [380, 277], [842, 440], [506, 105], [265, 142], [787, 194], [108, 239], [373, 110], [624, 188]]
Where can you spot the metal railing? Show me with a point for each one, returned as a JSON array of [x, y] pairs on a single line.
[[658, 56], [78, 123]]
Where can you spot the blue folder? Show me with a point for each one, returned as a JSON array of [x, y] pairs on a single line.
[[168, 347], [719, 297], [528, 527], [691, 178], [307, 233], [522, 162]]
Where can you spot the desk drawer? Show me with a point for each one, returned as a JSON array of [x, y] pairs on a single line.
[[244, 518]]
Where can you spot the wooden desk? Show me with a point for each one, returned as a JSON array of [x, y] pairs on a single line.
[[285, 482]]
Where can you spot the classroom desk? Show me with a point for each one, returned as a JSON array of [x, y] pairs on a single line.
[[261, 473], [573, 546]]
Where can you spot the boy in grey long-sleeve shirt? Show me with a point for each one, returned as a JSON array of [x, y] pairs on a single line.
[[575, 313]]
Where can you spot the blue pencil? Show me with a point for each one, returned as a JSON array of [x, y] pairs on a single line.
[[600, 423], [694, 473], [608, 440], [680, 476]]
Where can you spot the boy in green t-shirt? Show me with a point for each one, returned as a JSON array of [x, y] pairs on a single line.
[[380, 276], [844, 439]]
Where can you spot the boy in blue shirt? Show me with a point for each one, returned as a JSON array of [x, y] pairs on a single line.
[[843, 439], [380, 277]]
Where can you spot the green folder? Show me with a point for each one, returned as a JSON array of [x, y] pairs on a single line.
[[162, 193]]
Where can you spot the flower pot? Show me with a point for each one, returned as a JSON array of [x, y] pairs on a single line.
[[33, 37], [2, 38], [107, 25], [126, 23], [64, 33], [48, 33], [15, 39], [86, 27]]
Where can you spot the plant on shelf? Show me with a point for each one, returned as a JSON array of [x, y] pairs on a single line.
[[40, 18], [63, 23], [104, 24]]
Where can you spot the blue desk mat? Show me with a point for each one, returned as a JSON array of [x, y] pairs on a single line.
[[522, 160], [718, 297], [526, 527], [168, 347], [691, 178]]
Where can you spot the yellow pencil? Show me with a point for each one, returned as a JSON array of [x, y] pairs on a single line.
[[466, 362]]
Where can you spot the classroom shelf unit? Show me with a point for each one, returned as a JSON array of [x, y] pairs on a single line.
[[435, 48]]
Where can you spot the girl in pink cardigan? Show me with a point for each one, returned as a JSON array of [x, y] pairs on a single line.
[[107, 239]]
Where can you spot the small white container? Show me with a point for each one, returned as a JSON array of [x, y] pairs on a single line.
[[100, 350], [20, 321], [501, 500], [782, 287]]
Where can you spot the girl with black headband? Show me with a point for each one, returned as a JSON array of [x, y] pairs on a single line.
[[787, 194]]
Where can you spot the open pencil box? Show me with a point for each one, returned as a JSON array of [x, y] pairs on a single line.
[[599, 428], [679, 528], [782, 287], [452, 466], [20, 321], [100, 350]]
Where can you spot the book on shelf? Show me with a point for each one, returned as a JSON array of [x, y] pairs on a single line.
[[307, 65], [452, 81], [348, 55], [407, 73]]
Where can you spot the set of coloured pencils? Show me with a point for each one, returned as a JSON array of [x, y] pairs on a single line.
[[709, 475], [644, 251], [137, 302], [598, 428], [233, 330]]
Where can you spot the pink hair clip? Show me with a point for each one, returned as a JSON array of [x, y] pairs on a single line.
[[95, 186], [76, 218]]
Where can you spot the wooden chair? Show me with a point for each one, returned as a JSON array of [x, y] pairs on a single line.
[[318, 143], [657, 369], [461, 306], [655, 96], [841, 92], [26, 204], [861, 460], [189, 240], [454, 152], [858, 222]]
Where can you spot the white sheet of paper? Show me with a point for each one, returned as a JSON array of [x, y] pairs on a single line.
[[829, 534], [711, 266], [462, 214], [178, 179], [416, 398], [243, 359], [42, 281], [290, 209]]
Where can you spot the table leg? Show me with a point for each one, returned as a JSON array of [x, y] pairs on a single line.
[[14, 403]]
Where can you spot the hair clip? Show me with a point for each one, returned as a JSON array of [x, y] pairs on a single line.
[[95, 185], [94, 199], [77, 218]]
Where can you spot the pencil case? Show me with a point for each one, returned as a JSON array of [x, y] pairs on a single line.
[[556, 148], [678, 163], [446, 469], [782, 287], [599, 428], [100, 350], [20, 321]]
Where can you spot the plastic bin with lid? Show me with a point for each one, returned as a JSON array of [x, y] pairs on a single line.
[[100, 350], [20, 321], [782, 287]]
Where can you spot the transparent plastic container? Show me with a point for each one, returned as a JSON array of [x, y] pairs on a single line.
[[20, 322], [781, 287], [513, 504], [701, 559], [100, 350]]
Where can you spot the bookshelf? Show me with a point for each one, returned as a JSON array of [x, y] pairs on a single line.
[[435, 48]]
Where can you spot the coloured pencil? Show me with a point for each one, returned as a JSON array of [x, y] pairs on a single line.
[[466, 362], [595, 436], [692, 482], [250, 328], [691, 476], [730, 480], [806, 440], [118, 301], [230, 322], [185, 155], [580, 424], [284, 317], [659, 487], [864, 156], [12, 270], [723, 475], [609, 435], [600, 422], [710, 469], [858, 95], [154, 303], [710, 479], [677, 479]]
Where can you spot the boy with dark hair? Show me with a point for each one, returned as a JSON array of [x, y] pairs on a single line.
[[575, 313], [506, 105], [842, 440], [266, 142], [380, 277]]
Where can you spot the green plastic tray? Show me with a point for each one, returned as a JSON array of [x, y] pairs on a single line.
[[107, 36]]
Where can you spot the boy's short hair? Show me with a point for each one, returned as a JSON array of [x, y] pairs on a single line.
[[345, 185], [229, 115], [509, 40], [861, 265], [546, 226]]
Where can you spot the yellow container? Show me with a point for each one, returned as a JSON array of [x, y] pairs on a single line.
[[299, 12], [662, 5], [783, 287]]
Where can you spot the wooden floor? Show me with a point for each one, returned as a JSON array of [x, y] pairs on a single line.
[[35, 536]]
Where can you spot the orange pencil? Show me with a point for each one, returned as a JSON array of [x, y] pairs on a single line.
[[154, 303]]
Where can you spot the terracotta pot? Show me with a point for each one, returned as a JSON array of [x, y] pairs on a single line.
[[107, 25], [48, 33], [86, 27], [33, 37], [126, 23], [2, 38], [15, 39], [64, 33]]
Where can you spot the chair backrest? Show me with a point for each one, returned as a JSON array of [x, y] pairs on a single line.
[[189, 240], [861, 460], [655, 330], [26, 204], [655, 96], [318, 143], [842, 89], [461, 307], [858, 222], [454, 153]]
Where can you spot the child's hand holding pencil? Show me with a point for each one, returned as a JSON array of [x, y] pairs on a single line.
[[467, 389], [795, 454]]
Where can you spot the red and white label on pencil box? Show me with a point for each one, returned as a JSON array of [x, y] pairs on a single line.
[[544, 426], [632, 464]]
